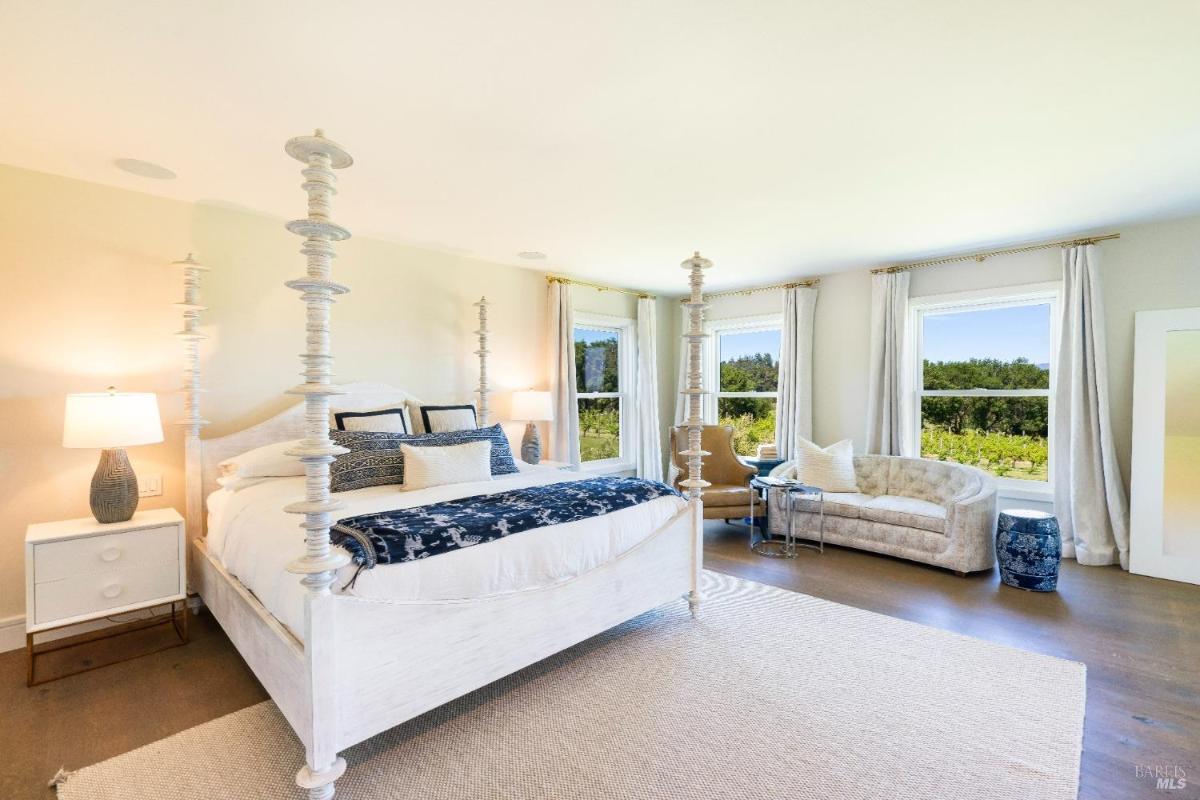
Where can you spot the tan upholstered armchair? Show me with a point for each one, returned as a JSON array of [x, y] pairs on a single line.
[[729, 495]]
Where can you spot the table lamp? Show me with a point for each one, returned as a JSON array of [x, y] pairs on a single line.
[[112, 421], [532, 407]]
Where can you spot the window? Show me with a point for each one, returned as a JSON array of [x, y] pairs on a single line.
[[984, 373], [603, 383], [745, 360]]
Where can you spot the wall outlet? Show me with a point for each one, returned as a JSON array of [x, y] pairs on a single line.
[[150, 485]]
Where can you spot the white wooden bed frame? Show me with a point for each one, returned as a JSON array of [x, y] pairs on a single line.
[[341, 685]]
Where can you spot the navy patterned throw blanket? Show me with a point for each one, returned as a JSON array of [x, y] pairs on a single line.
[[393, 537]]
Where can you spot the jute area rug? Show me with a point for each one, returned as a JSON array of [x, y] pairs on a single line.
[[770, 694]]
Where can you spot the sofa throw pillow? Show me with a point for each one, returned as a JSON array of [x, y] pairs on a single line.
[[389, 420], [443, 419], [375, 458], [830, 469], [454, 463]]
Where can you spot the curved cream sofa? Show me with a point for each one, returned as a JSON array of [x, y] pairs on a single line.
[[935, 512]]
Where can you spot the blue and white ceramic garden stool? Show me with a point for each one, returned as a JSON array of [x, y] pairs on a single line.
[[1029, 548]]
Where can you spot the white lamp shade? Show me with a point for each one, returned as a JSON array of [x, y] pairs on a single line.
[[111, 419], [532, 406]]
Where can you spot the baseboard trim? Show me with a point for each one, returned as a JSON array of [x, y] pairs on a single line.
[[12, 633]]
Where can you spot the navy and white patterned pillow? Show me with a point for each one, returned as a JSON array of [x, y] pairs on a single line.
[[375, 460]]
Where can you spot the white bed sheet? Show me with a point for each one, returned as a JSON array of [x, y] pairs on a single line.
[[255, 540]]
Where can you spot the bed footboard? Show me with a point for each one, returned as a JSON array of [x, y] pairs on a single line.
[[447, 649]]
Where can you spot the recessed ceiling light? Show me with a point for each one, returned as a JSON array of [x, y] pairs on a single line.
[[532, 255], [144, 169]]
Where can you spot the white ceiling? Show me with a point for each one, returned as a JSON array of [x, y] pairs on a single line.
[[779, 137]]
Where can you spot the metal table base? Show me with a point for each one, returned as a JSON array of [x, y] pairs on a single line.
[[786, 547]]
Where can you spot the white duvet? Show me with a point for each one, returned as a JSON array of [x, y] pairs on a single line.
[[252, 536]]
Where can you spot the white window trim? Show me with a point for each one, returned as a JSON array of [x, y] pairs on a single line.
[[711, 357], [982, 300], [626, 330]]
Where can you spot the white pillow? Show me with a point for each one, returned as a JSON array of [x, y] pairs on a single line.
[[830, 469], [236, 484], [445, 419], [437, 466], [268, 461], [394, 418]]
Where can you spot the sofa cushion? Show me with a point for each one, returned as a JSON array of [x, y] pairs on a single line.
[[838, 504], [723, 495], [871, 474], [908, 512]]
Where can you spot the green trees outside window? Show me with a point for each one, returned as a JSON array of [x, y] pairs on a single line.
[[1007, 436], [598, 385]]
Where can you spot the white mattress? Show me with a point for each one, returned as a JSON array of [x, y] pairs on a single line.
[[251, 535]]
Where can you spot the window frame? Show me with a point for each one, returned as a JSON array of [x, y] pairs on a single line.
[[625, 329], [1048, 293], [712, 361]]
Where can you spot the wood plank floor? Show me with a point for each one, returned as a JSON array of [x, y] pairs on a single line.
[[1140, 638]]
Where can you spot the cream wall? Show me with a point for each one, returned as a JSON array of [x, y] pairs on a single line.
[[88, 303]]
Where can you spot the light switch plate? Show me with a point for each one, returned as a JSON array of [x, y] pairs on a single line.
[[150, 485]]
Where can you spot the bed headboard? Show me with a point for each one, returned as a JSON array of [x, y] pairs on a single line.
[[287, 424]]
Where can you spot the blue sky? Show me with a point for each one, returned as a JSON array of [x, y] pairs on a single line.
[[591, 337], [736, 345], [1003, 333]]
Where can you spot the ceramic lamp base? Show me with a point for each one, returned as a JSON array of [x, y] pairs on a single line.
[[114, 495], [531, 445]]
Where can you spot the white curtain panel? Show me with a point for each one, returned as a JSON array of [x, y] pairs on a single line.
[[888, 385], [649, 444], [793, 412], [1089, 497], [564, 430]]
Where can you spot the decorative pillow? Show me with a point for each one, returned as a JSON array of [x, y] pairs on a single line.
[[387, 420], [830, 468], [375, 458], [268, 461], [443, 419], [454, 463]]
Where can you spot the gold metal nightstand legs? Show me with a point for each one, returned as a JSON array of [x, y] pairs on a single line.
[[177, 618]]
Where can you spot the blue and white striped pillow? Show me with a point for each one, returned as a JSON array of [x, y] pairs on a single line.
[[375, 460]]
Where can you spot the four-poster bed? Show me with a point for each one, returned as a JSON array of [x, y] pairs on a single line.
[[344, 664]]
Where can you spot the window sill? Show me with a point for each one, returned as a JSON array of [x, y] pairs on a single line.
[[1038, 494], [607, 467]]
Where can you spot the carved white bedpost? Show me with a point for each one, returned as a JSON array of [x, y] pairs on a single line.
[[320, 561], [483, 391], [694, 338], [192, 422]]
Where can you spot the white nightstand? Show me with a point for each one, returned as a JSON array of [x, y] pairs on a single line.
[[81, 570]]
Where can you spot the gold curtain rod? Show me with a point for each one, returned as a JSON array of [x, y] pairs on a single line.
[[810, 282], [597, 286], [980, 257]]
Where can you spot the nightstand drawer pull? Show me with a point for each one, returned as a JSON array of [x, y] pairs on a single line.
[[112, 591], [110, 554]]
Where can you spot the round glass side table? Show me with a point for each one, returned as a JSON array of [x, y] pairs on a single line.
[[811, 499], [796, 496]]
